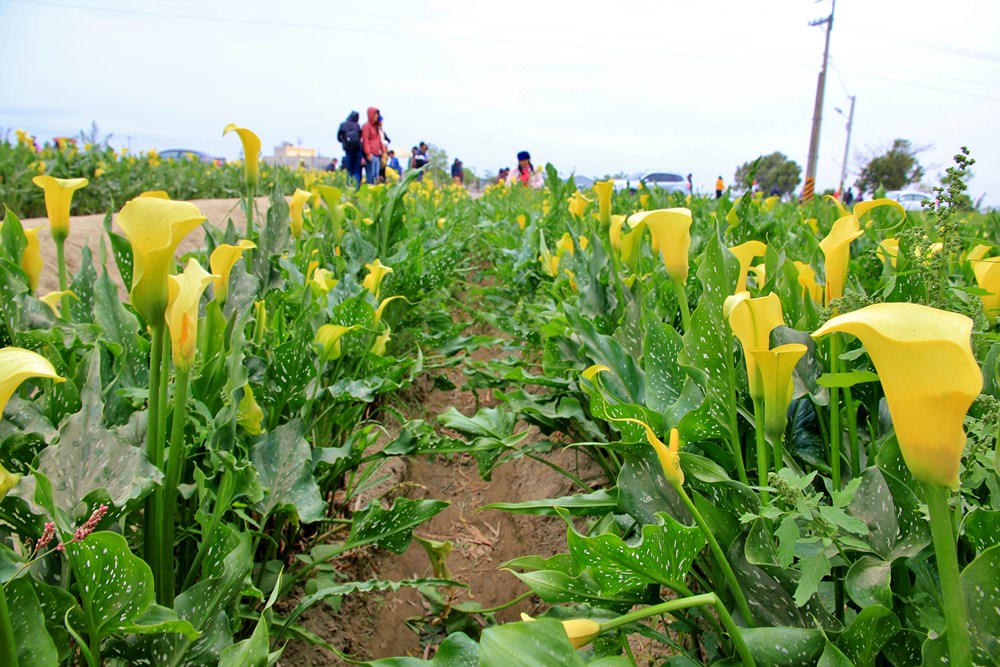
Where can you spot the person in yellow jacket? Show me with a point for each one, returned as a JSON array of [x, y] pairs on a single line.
[[719, 187]]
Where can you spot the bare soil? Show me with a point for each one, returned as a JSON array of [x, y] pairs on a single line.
[[370, 626]]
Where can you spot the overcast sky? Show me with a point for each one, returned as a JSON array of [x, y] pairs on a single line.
[[593, 87]]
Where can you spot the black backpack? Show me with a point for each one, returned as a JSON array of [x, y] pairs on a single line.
[[350, 136]]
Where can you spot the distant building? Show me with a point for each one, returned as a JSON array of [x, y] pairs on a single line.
[[293, 156]]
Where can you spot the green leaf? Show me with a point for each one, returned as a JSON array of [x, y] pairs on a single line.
[[814, 569], [982, 528], [664, 555], [833, 657], [869, 582], [391, 529], [868, 634], [34, 644], [597, 503], [89, 456], [784, 647], [458, 650], [115, 586], [664, 376], [284, 463], [82, 286], [543, 643]]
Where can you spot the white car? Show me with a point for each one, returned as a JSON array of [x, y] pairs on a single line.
[[664, 180], [910, 200]]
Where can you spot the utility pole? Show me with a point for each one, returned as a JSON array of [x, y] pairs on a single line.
[[847, 146], [807, 190]]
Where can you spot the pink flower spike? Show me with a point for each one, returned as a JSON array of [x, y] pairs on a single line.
[[47, 534]]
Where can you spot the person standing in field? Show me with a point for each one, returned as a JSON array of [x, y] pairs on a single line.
[[690, 185], [349, 136], [525, 173], [457, 173], [393, 162], [720, 185], [372, 145], [418, 159]]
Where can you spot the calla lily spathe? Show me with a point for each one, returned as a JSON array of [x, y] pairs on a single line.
[[988, 278], [54, 300], [930, 377], [753, 320], [888, 249], [16, 366], [807, 279], [377, 271], [745, 252], [328, 338], [221, 263], [671, 229], [185, 293], [603, 190], [322, 282], [249, 414], [58, 197], [836, 249], [299, 199], [775, 368], [155, 227], [31, 259], [251, 154], [580, 631], [578, 204]]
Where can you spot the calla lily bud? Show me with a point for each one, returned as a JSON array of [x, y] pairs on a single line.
[[775, 368], [155, 227], [930, 377], [578, 204], [299, 199], [603, 190], [671, 229], [31, 259], [753, 320], [251, 154], [376, 272], [249, 414], [580, 631], [222, 261], [58, 197], [328, 338]]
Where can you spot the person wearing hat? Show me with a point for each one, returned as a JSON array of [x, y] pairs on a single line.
[[525, 173]]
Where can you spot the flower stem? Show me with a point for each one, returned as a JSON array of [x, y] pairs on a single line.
[[953, 601], [175, 461], [154, 448], [835, 413], [734, 430], [8, 647], [686, 603], [763, 467], [720, 557], [682, 302]]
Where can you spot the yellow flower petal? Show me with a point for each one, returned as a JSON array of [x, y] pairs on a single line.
[[58, 197], [221, 263], [580, 631], [745, 252], [776, 367], [185, 293], [603, 190], [578, 204], [753, 320], [299, 199], [31, 259], [249, 414], [807, 279], [328, 338], [988, 277], [377, 271], [888, 248], [930, 377], [671, 228], [16, 366], [155, 227], [54, 299], [836, 249], [251, 153]]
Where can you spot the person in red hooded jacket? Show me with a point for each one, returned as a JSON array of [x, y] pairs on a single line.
[[372, 145]]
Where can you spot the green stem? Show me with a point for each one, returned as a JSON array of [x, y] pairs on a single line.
[[682, 302], [763, 467], [734, 430], [60, 242], [562, 471], [953, 601], [8, 647], [175, 462], [154, 447], [851, 408], [720, 557], [835, 413], [705, 599]]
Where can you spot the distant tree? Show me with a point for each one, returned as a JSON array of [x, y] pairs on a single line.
[[773, 170], [893, 169], [440, 167]]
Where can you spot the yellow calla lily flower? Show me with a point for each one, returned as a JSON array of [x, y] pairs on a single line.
[[644, 201], [54, 299], [578, 204], [580, 631], [156, 194], [813, 224], [776, 367], [863, 207], [383, 304], [155, 227], [930, 377], [381, 341], [185, 293], [549, 262], [980, 251], [603, 190], [841, 211], [16, 366], [759, 272], [615, 231], [631, 244], [299, 199], [249, 414], [322, 282], [753, 320], [377, 271], [8, 480], [31, 259], [522, 221], [58, 197], [565, 244], [251, 154], [769, 203], [988, 277], [807, 279], [671, 228], [836, 249], [328, 338], [745, 252], [221, 263], [888, 248]]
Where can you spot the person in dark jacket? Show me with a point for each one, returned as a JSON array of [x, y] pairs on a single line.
[[349, 136], [457, 173]]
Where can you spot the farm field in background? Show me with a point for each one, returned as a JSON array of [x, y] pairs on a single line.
[[558, 426]]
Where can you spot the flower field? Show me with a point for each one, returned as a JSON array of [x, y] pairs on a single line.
[[778, 421]]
